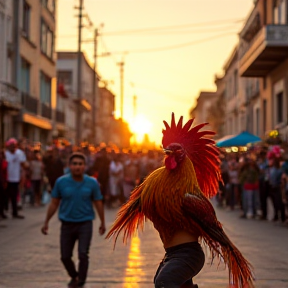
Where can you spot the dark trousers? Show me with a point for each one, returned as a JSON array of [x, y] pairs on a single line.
[[12, 192], [70, 233], [278, 203], [264, 188], [2, 200], [180, 264]]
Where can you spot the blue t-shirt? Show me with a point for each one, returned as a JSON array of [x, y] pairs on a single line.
[[76, 198]]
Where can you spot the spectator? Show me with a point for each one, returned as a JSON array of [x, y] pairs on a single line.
[[115, 179], [131, 175], [249, 178], [53, 166], [234, 185], [3, 184], [37, 173], [15, 159], [101, 168], [275, 180]]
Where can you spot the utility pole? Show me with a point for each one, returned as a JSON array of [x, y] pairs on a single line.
[[134, 106], [134, 115], [95, 88], [121, 64], [79, 74]]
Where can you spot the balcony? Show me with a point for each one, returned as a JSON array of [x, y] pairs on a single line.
[[46, 111], [30, 104], [9, 96], [265, 51], [60, 117]]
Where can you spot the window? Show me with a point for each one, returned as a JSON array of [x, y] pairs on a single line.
[[280, 12], [264, 114], [257, 121], [264, 83], [49, 5], [65, 77], [26, 19], [47, 40], [45, 89], [25, 76], [235, 82], [279, 107]]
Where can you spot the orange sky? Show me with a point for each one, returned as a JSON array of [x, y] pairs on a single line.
[[165, 81]]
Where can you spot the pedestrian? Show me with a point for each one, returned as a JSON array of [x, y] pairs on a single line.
[[115, 180], [3, 184], [15, 159], [263, 183], [275, 181], [234, 187], [37, 173], [131, 174], [249, 178], [101, 170], [53, 166], [76, 193]]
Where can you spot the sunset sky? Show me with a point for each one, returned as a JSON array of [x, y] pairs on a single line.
[[164, 81]]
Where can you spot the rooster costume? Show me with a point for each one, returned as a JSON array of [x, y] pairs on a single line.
[[175, 198]]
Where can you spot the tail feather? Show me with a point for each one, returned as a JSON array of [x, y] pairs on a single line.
[[240, 270], [129, 218], [199, 209]]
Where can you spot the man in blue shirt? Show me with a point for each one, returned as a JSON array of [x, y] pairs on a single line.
[[76, 193]]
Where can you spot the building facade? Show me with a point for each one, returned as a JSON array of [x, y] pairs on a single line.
[[263, 54], [28, 69], [67, 75], [10, 97], [200, 112], [36, 74]]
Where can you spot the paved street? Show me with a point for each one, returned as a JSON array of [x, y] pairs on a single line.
[[30, 260]]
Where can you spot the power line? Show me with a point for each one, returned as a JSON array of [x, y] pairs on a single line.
[[157, 32], [164, 33], [172, 27], [182, 45]]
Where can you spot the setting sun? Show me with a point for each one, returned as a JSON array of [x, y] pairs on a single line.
[[140, 126]]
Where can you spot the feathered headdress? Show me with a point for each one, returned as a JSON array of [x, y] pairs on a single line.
[[201, 151]]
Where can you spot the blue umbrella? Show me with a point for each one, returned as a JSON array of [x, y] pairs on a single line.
[[241, 139]]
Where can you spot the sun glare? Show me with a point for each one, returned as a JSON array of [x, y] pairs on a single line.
[[140, 126]]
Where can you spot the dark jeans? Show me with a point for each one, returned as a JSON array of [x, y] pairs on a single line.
[[12, 192], [180, 264], [70, 232]]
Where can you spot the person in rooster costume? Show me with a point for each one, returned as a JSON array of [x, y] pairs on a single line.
[[175, 198]]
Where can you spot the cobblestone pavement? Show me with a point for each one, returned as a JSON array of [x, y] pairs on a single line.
[[31, 260]]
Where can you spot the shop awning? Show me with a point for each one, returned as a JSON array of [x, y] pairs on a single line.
[[241, 139], [39, 122]]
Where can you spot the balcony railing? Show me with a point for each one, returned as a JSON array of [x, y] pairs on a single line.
[[60, 117], [46, 111], [30, 104], [9, 95], [274, 35]]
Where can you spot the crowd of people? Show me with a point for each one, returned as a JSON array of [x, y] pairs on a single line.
[[28, 173], [251, 178]]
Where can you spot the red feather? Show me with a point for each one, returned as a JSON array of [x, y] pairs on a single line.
[[202, 151]]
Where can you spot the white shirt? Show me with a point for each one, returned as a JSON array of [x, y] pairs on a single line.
[[14, 165]]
